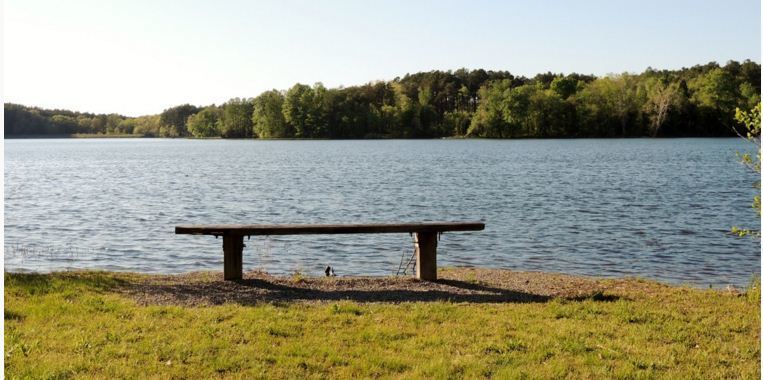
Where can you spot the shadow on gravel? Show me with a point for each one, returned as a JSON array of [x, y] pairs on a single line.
[[254, 291]]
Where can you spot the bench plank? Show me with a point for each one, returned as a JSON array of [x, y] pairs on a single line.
[[307, 229]]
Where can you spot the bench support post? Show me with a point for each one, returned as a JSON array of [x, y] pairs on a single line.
[[426, 255], [233, 249]]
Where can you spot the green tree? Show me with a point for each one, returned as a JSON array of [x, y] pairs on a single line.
[[268, 118], [297, 107], [65, 124], [427, 114], [516, 105], [464, 99], [750, 122], [488, 119], [406, 114], [127, 126], [565, 86], [320, 110], [112, 123], [98, 124], [715, 96], [84, 123], [173, 120], [205, 123], [662, 99], [597, 109], [550, 115], [149, 126], [627, 100], [750, 96], [716, 90], [456, 123], [236, 118]]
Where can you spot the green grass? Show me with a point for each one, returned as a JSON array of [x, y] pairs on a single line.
[[75, 325]]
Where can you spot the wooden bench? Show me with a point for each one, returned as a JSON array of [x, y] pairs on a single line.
[[425, 241]]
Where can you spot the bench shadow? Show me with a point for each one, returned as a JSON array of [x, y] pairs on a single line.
[[477, 293], [256, 291]]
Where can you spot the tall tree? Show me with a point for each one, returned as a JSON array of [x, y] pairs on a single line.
[[268, 118], [65, 124], [662, 99], [627, 101], [489, 119], [305, 110], [173, 120], [205, 123], [565, 86], [237, 118], [297, 109]]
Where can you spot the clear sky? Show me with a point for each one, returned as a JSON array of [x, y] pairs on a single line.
[[139, 57]]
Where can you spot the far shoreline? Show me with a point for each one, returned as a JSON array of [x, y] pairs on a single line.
[[100, 136]]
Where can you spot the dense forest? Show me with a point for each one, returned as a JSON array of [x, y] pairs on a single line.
[[696, 101]]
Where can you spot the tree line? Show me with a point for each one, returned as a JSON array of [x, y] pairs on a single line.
[[696, 101]]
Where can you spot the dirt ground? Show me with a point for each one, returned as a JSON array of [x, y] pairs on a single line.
[[473, 285]]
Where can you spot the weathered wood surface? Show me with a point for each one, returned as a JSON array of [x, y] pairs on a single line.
[[426, 255], [233, 239], [233, 257], [307, 229]]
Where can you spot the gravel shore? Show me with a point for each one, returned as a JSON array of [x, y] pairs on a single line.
[[473, 285]]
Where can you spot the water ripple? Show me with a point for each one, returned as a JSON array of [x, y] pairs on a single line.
[[653, 208]]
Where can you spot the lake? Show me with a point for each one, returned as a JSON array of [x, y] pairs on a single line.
[[653, 208]]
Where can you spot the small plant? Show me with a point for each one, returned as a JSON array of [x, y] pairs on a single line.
[[751, 122], [346, 308], [297, 277], [753, 290], [472, 278]]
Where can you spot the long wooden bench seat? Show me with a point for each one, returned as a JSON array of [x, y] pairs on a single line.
[[425, 242]]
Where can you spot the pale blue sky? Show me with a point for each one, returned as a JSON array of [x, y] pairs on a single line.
[[139, 57]]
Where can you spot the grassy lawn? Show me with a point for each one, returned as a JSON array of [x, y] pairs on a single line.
[[84, 325]]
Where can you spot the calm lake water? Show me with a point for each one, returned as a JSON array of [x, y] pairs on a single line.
[[655, 208]]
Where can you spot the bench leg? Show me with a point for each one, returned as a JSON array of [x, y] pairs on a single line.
[[426, 255], [233, 249]]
